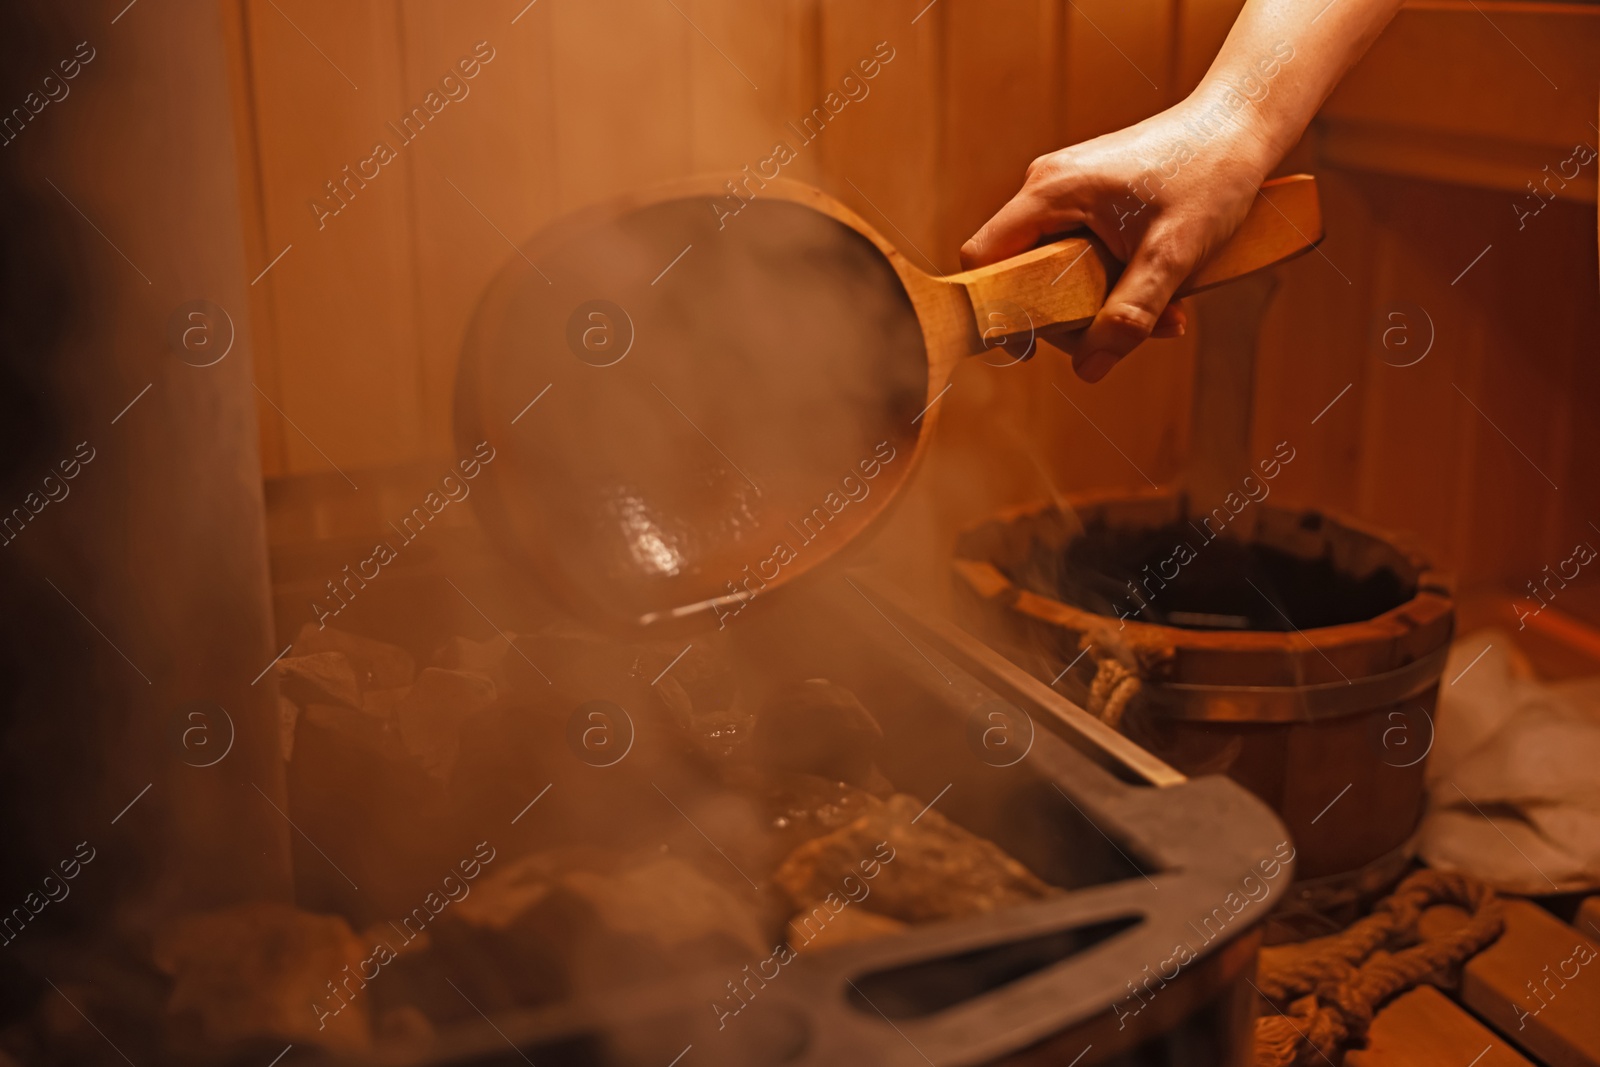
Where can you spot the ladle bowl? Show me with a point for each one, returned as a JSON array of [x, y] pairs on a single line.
[[690, 406]]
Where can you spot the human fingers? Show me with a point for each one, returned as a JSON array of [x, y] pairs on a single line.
[[1174, 322], [1035, 212], [1136, 304]]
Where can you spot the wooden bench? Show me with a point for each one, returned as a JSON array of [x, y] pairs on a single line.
[[1533, 997]]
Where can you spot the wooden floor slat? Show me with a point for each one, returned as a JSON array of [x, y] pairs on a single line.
[[1540, 986], [1424, 1028], [1588, 918]]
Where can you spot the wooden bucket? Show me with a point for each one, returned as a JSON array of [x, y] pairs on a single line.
[[1320, 699]]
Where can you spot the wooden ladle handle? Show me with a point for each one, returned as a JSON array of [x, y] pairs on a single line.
[[1065, 283]]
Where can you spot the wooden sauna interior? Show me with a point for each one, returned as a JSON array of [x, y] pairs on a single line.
[[1481, 450]]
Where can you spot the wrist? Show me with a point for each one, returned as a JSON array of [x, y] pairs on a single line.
[[1233, 116]]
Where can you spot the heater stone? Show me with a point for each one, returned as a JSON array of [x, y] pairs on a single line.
[[378, 665], [431, 716], [480, 657], [816, 727], [536, 930], [255, 970], [849, 926], [288, 715], [319, 678], [927, 867]]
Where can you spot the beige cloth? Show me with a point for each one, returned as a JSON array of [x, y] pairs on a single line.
[[1514, 775]]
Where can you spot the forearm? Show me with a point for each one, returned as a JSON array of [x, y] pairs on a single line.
[[1283, 58]]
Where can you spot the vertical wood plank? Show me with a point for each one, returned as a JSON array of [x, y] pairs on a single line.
[[1580, 497], [1132, 428], [881, 155], [744, 74], [1314, 344], [274, 447], [326, 82], [1002, 59], [484, 178], [1118, 62], [621, 76], [1001, 111], [1485, 410]]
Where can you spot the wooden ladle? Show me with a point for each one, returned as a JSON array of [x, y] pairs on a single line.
[[692, 404]]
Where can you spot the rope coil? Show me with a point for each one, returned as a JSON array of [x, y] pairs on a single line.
[[1120, 668], [1113, 687], [1326, 991]]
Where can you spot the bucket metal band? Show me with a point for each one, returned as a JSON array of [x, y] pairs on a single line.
[[1294, 703]]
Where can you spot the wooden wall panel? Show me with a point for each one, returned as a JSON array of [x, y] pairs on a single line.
[[1539, 306], [342, 296], [580, 112], [263, 325], [1483, 94], [881, 156], [578, 103], [1003, 110], [1479, 96], [1119, 64], [1464, 449], [622, 77], [1479, 68], [1003, 57], [1417, 433], [1202, 26], [772, 43], [472, 205], [1314, 343], [1119, 58], [1405, 447], [360, 323]]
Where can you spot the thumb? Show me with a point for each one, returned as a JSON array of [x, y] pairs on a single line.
[[1134, 306], [1014, 229]]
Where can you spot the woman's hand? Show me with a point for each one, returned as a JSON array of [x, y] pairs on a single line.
[[1162, 195], [1165, 194]]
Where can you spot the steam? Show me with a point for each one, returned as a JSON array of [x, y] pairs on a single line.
[[769, 366]]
